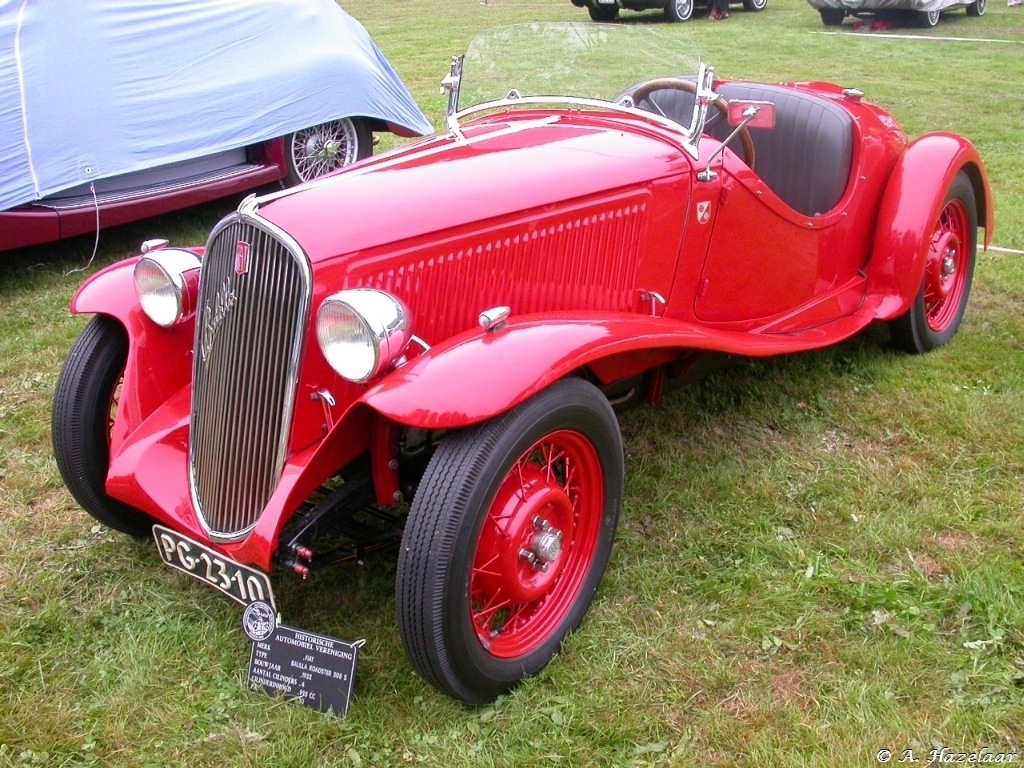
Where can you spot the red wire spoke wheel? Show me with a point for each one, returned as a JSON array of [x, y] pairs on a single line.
[[945, 275], [537, 544], [935, 315], [507, 539]]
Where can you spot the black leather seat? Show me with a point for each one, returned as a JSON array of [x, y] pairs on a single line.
[[805, 159]]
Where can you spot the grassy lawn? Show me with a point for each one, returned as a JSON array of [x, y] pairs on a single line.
[[820, 556]]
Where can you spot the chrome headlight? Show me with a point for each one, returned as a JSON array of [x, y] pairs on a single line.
[[362, 332], [166, 282]]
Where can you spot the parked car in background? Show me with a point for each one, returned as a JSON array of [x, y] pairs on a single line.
[[604, 219], [675, 10], [925, 13], [117, 112]]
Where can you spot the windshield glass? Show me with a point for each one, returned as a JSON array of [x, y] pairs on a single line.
[[575, 61]]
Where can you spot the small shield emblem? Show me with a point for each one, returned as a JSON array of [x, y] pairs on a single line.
[[704, 211], [241, 257]]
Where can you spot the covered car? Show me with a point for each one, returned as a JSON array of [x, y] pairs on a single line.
[[925, 12], [117, 110], [440, 373]]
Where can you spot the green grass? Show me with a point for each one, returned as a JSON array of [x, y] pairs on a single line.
[[819, 556]]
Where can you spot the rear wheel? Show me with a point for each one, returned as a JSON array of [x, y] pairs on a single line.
[[832, 17], [84, 406], [603, 12], [312, 152], [928, 19], [507, 539], [754, 5], [935, 315], [679, 10], [977, 8]]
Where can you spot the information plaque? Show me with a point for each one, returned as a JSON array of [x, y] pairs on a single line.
[[312, 669]]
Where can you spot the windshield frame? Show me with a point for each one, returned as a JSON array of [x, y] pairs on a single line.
[[688, 135]]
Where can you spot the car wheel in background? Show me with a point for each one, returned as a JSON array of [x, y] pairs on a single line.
[[312, 152], [928, 19], [507, 540], [603, 12], [679, 10], [754, 5], [84, 406], [935, 315], [977, 8], [832, 17]]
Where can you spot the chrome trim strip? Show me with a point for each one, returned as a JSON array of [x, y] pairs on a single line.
[[687, 144]]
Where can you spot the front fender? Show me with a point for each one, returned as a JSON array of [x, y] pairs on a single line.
[[910, 207], [478, 375], [159, 360], [111, 291]]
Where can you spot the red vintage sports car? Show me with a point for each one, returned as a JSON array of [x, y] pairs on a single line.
[[439, 366]]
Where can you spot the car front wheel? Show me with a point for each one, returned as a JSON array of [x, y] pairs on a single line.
[[679, 10], [928, 19], [313, 152], [754, 5], [84, 406], [977, 8], [603, 12], [507, 539], [935, 315], [832, 17]]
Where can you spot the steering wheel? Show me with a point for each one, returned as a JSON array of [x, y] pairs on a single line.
[[644, 90]]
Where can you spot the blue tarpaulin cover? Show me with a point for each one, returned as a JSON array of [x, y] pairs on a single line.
[[95, 89]]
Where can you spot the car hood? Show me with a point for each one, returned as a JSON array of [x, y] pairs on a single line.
[[494, 168]]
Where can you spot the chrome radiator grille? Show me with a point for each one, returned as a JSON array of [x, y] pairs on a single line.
[[254, 299]]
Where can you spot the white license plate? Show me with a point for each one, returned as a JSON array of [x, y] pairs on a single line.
[[241, 583]]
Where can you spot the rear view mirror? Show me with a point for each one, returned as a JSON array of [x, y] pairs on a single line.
[[742, 115], [761, 114]]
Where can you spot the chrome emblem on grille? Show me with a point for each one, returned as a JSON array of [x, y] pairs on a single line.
[[215, 312], [241, 257]]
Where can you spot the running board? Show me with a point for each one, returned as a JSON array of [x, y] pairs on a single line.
[[151, 190]]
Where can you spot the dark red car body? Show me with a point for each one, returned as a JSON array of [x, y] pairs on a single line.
[[625, 267], [50, 220]]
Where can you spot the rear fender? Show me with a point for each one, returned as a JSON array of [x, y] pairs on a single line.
[[911, 204], [478, 374]]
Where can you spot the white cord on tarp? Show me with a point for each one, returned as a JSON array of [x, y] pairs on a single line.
[[96, 243]]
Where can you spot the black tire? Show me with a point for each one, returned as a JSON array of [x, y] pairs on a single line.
[[603, 12], [928, 19], [832, 17], [755, 5], [313, 152], [977, 8], [452, 557], [679, 10], [935, 315], [83, 404]]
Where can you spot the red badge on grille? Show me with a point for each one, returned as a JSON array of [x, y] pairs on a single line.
[[241, 257]]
